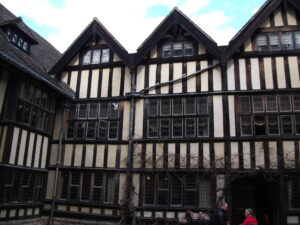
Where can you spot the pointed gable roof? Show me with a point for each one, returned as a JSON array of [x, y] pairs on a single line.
[[176, 17], [95, 27], [253, 24]]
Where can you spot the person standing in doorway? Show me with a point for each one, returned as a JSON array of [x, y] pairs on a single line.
[[250, 219], [220, 215]]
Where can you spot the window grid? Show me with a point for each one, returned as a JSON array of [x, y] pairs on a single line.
[[269, 114], [177, 117], [96, 56], [94, 121], [176, 190], [178, 49]]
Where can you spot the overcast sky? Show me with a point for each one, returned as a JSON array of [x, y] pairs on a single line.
[[130, 21]]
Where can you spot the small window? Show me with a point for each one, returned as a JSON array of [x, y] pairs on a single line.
[[91, 130], [286, 124], [162, 190], [297, 123], [114, 110], [188, 49], [297, 39], [203, 126], [102, 130], [82, 111], [104, 110], [80, 130], [87, 57], [176, 191], [297, 102], [204, 193], [97, 189], [113, 130], [177, 106], [177, 127], [274, 41], [152, 108], [109, 188], [262, 43], [86, 184], [285, 103], [203, 105], [258, 104], [190, 106], [246, 125], [65, 184], [165, 107], [25, 46], [149, 190], [105, 56], [152, 128], [259, 125], [245, 106], [165, 128], [190, 127], [287, 41], [93, 110], [71, 130], [74, 190], [190, 190], [271, 102], [20, 42], [273, 125], [72, 112], [166, 50], [96, 56], [177, 49]]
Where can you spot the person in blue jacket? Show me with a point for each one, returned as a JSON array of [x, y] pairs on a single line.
[[220, 215]]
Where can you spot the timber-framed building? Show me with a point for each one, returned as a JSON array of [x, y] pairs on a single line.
[[101, 134]]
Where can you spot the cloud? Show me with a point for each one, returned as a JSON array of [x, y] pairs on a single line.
[[255, 10], [126, 20]]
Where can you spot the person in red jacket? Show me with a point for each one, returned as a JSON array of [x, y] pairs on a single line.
[[250, 219]]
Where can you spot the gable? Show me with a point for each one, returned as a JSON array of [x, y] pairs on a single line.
[[275, 17]]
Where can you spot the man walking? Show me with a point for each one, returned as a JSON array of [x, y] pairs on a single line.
[[220, 217]]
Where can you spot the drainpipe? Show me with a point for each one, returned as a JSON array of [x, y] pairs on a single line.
[[128, 188], [57, 167]]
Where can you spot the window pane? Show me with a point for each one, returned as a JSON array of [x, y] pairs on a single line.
[[113, 130], [65, 185], [87, 57], [258, 104], [109, 188], [204, 194], [163, 188], [273, 124], [202, 105], [82, 111], [20, 111], [259, 125], [188, 48], [149, 190], [26, 114], [25, 46], [72, 112], [285, 103], [177, 106], [105, 56], [271, 103], [287, 41], [203, 126], [297, 102], [274, 41], [152, 108], [177, 127], [190, 106], [86, 183], [286, 124], [114, 110], [190, 127], [297, 39], [166, 50], [246, 125], [152, 128], [103, 110], [80, 131], [177, 49], [261, 41], [97, 191], [190, 190], [176, 190], [245, 106], [102, 131], [96, 56], [74, 186], [165, 107], [297, 123], [295, 200], [164, 128], [93, 110], [91, 130], [70, 130], [33, 116]]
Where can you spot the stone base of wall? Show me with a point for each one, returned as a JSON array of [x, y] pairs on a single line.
[[56, 221]]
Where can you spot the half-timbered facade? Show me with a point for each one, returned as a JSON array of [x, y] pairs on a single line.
[[182, 124]]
